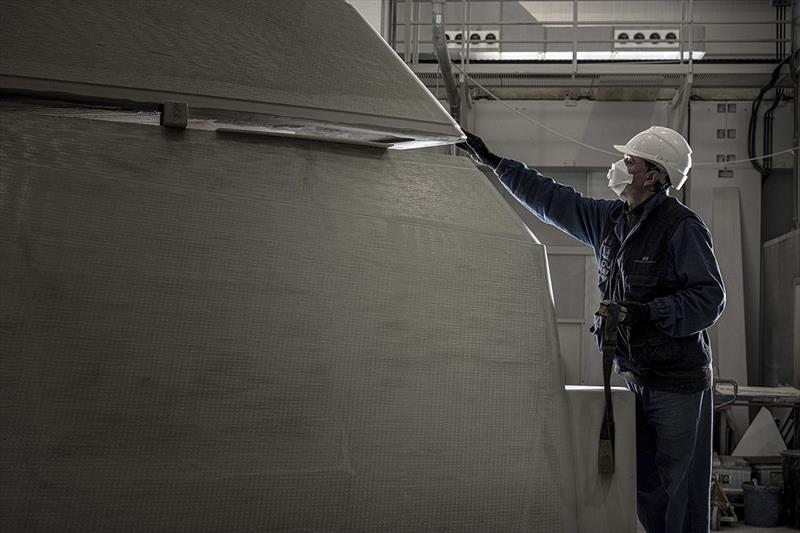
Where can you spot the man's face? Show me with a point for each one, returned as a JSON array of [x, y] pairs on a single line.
[[643, 178]]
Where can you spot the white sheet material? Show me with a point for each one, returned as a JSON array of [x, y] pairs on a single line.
[[762, 438], [730, 349], [605, 503]]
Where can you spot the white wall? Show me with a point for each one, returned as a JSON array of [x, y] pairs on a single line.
[[707, 118], [600, 124], [371, 11]]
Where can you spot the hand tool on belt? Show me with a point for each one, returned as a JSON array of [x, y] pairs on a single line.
[[613, 314]]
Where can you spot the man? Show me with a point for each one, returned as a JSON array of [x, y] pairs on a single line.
[[655, 259]]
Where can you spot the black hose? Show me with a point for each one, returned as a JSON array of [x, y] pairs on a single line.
[[753, 123], [767, 133]]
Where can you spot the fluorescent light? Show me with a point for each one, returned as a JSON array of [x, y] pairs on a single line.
[[616, 55]]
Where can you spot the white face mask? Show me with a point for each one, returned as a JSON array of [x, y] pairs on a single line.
[[618, 177]]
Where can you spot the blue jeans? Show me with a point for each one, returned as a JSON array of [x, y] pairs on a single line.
[[673, 459]]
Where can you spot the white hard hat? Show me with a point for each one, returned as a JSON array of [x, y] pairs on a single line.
[[665, 147]]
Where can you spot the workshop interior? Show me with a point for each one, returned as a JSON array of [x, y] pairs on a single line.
[[371, 265]]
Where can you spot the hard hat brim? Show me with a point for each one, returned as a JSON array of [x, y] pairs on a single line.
[[678, 180], [620, 148]]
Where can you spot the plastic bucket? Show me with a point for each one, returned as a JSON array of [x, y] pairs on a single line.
[[791, 486], [762, 505]]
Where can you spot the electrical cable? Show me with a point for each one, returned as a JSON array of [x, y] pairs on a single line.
[[749, 159], [536, 122], [615, 154], [753, 123], [769, 119]]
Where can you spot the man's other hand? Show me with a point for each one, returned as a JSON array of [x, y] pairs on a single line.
[[637, 312]]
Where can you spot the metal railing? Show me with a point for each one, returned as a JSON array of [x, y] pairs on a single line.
[[409, 15]]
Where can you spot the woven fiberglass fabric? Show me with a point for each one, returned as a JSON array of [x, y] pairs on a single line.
[[203, 332], [299, 54]]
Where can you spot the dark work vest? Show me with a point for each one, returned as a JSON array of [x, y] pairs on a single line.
[[653, 359]]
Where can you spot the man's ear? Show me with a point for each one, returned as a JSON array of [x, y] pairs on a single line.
[[651, 180]]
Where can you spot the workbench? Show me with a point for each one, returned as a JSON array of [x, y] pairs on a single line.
[[728, 393]]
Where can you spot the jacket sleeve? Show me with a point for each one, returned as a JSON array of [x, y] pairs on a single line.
[[701, 299], [565, 208]]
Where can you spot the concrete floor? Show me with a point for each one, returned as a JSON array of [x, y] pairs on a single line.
[[742, 528]]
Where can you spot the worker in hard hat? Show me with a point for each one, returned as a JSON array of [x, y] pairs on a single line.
[[655, 258]]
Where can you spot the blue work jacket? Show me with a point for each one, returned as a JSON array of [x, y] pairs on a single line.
[[699, 297]]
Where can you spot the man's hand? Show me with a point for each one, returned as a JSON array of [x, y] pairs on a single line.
[[636, 313], [478, 151]]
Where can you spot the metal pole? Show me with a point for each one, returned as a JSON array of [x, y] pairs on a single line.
[[500, 36], [417, 34], [691, 36], [795, 64], [574, 38], [438, 10], [681, 34], [408, 36], [464, 88], [464, 38], [391, 29]]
